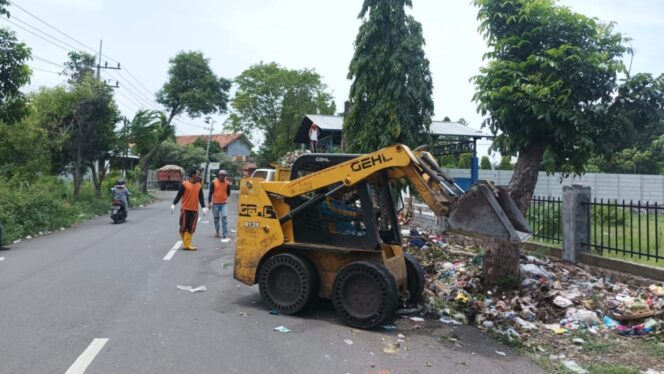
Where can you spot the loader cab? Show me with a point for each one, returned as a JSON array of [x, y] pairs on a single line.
[[362, 216]]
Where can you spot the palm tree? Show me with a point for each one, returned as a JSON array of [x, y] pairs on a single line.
[[148, 130]]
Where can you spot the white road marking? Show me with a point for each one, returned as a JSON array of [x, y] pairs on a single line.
[[85, 359], [170, 253]]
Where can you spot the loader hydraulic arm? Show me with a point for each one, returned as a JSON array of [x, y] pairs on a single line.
[[486, 210]]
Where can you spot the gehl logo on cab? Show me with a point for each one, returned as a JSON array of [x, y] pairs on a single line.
[[369, 162]]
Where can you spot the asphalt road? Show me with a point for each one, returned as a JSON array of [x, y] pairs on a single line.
[[102, 297]]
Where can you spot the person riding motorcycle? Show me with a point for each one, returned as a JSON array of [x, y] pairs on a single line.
[[121, 193]]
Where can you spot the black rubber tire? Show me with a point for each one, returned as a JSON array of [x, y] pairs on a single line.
[[288, 283], [415, 279], [365, 294]]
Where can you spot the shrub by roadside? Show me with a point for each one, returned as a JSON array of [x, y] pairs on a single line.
[[28, 208]]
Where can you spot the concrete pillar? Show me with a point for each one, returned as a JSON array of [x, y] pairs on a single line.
[[576, 223]]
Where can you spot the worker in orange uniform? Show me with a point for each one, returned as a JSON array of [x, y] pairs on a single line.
[[220, 190], [191, 193]]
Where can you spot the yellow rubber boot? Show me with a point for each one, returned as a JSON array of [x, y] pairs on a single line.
[[187, 242]]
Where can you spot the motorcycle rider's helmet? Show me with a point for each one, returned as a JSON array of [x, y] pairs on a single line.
[[121, 182]]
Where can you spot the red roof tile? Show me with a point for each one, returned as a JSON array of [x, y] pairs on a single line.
[[223, 139]]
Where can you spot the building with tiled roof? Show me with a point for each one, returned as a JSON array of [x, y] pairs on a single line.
[[237, 146]]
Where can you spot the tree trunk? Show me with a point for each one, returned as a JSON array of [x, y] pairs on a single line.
[[524, 179], [78, 177], [144, 164], [501, 265], [95, 179]]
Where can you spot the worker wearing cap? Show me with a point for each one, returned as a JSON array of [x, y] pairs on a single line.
[[191, 193], [220, 190]]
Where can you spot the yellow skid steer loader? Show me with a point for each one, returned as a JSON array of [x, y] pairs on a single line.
[[331, 231]]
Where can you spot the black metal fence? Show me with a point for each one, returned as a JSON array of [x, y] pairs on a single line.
[[630, 229], [546, 219], [627, 229]]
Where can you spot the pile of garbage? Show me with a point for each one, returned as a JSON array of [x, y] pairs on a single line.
[[553, 296], [289, 158]]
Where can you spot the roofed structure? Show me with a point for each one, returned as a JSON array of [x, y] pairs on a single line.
[[224, 140]]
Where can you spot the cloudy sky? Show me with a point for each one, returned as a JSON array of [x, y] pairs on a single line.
[[144, 34]]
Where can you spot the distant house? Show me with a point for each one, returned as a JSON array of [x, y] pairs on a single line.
[[237, 146]]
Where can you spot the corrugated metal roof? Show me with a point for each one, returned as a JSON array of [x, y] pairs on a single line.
[[327, 122], [440, 128], [456, 129]]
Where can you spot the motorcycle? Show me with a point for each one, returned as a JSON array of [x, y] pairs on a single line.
[[118, 212]]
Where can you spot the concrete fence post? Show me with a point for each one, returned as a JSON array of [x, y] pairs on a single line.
[[2, 238], [576, 223]]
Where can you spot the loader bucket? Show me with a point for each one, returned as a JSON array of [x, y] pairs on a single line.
[[488, 211]]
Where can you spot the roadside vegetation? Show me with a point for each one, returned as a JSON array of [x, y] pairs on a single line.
[[44, 205]]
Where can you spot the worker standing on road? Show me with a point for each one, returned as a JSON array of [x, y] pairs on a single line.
[[191, 193], [220, 190]]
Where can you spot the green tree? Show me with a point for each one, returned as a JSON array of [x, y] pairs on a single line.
[[391, 91], [506, 163], [80, 66], [485, 163], [271, 101], [148, 130], [14, 73], [192, 88], [549, 75], [201, 142], [465, 160]]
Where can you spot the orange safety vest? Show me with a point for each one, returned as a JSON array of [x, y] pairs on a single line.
[[220, 195], [190, 196]]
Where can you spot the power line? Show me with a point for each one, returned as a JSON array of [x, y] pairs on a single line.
[[59, 43], [44, 70], [37, 35], [44, 33], [139, 82], [46, 61], [52, 27], [136, 95], [136, 89]]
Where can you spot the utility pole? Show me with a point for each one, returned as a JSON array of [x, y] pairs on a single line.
[[99, 67], [126, 147], [209, 121]]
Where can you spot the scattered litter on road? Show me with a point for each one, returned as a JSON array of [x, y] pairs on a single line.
[[348, 341], [499, 353], [574, 367], [225, 265], [191, 289], [225, 240], [232, 230], [274, 312], [417, 319], [451, 321], [355, 331], [389, 327], [578, 341], [244, 314], [391, 348], [16, 241], [2, 258], [282, 329]]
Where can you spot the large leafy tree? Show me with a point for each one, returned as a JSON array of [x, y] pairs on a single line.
[[14, 73], [147, 131], [271, 101], [80, 121], [391, 91], [632, 141], [192, 88], [549, 76]]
